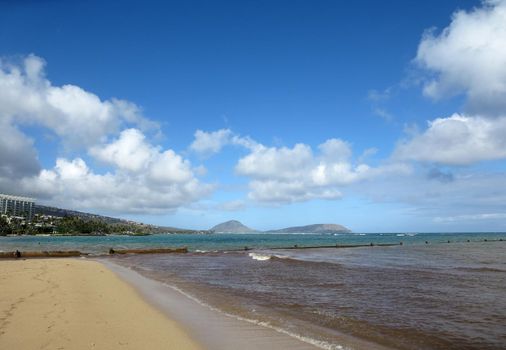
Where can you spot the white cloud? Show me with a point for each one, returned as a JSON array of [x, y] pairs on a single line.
[[170, 167], [244, 141], [284, 175], [128, 152], [336, 150], [17, 154], [80, 118], [457, 140], [71, 183], [142, 178], [131, 153], [207, 143], [469, 56], [145, 179], [278, 163], [279, 192]]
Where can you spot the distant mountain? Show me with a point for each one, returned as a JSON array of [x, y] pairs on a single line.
[[316, 228], [232, 226]]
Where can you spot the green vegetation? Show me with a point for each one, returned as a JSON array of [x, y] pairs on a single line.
[[5, 228], [16, 226], [76, 225], [57, 221]]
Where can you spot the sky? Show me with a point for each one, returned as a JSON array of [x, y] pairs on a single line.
[[381, 116]]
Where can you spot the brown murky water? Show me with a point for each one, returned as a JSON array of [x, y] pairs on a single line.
[[406, 297]]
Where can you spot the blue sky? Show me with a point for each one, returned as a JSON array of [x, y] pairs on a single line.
[[382, 116]]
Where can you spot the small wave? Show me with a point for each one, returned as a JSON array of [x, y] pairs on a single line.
[[317, 343], [264, 257], [259, 257], [203, 251], [279, 256]]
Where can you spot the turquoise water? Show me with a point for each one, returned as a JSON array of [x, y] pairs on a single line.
[[212, 242]]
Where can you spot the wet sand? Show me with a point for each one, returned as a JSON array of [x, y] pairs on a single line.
[[79, 304]]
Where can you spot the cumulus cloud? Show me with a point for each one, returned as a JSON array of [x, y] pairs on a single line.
[[170, 167], [145, 179], [80, 118], [457, 140], [129, 151], [17, 154], [280, 192], [285, 175], [279, 163], [294, 174], [469, 57], [142, 177], [72, 183]]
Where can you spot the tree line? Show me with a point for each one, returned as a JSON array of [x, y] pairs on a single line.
[[70, 225]]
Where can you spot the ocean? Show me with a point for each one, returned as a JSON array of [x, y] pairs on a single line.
[[435, 291]]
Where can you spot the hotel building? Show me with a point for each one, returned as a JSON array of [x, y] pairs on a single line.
[[17, 206]]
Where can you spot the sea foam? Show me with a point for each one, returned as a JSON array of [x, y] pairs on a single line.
[[259, 257]]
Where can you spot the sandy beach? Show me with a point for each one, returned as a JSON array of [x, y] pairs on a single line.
[[78, 304]]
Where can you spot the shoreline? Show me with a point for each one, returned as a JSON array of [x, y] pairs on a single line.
[[187, 291], [79, 304], [207, 326], [219, 330]]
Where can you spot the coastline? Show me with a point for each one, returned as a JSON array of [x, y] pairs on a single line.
[[79, 304], [218, 330], [268, 300]]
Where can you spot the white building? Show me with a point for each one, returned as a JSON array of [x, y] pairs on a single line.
[[17, 206]]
